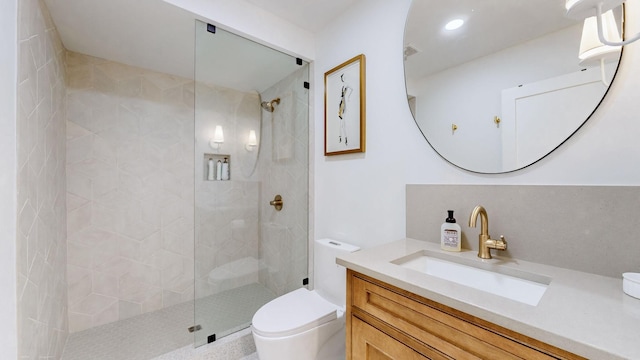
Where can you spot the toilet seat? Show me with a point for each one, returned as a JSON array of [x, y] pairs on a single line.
[[293, 313]]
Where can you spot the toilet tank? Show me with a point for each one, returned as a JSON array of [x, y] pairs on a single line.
[[329, 277]]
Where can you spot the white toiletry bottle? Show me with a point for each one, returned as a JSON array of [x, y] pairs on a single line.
[[450, 234], [219, 170], [225, 169], [210, 169]]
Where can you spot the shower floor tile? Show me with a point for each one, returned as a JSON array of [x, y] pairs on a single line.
[[227, 312], [153, 334]]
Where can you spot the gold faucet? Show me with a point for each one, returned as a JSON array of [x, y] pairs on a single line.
[[485, 243]]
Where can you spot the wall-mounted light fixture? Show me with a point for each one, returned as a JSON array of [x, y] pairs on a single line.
[[218, 138], [592, 50], [252, 142], [580, 9]]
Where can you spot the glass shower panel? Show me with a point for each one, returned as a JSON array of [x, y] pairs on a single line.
[[251, 144]]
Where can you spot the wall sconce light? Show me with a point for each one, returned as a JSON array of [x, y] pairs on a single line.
[[580, 9], [253, 141], [594, 52], [218, 138]]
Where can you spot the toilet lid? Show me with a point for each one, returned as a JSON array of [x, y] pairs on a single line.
[[293, 313]]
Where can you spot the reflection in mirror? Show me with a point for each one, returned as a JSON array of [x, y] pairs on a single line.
[[507, 87]]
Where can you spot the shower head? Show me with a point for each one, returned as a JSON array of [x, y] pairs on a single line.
[[267, 106], [270, 105]]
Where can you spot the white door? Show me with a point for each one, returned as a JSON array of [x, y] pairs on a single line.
[[538, 117]]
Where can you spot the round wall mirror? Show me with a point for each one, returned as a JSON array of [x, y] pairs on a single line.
[[512, 82]]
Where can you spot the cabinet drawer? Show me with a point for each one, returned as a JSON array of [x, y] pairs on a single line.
[[373, 344], [450, 332]]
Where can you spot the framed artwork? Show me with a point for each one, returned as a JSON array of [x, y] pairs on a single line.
[[344, 108]]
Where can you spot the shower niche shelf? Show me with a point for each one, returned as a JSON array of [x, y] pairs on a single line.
[[216, 174]]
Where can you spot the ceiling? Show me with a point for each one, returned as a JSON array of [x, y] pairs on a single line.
[[311, 15], [490, 26], [156, 35]]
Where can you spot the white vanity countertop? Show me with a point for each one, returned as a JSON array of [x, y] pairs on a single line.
[[583, 313]]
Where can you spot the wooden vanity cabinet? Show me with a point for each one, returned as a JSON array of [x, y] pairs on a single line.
[[386, 322]]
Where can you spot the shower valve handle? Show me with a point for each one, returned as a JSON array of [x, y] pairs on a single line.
[[277, 202]]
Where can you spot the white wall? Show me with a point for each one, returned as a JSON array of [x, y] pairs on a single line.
[[8, 72], [361, 198]]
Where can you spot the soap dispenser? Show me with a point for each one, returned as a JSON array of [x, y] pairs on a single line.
[[450, 234], [225, 169]]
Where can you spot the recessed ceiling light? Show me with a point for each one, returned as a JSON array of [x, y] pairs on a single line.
[[454, 24]]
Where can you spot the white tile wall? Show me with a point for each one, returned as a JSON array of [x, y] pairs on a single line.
[[129, 191], [41, 242], [284, 169], [234, 220], [227, 212], [124, 230]]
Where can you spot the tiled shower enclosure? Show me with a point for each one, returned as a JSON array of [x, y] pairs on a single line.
[[148, 229]]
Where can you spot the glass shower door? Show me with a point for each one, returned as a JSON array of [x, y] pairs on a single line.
[[251, 144]]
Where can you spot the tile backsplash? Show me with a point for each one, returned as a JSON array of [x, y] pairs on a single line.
[[587, 228]]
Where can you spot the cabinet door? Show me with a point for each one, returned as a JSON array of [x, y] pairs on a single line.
[[369, 343], [431, 329]]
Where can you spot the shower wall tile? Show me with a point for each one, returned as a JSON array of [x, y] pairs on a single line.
[[226, 231], [41, 239], [129, 190], [130, 172], [284, 166], [227, 212]]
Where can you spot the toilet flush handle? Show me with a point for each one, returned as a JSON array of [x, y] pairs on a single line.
[[277, 202]]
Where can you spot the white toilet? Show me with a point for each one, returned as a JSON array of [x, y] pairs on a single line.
[[303, 324]]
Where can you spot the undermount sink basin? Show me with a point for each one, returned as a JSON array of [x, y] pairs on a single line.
[[499, 280]]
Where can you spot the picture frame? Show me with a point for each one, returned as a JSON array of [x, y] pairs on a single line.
[[344, 108]]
